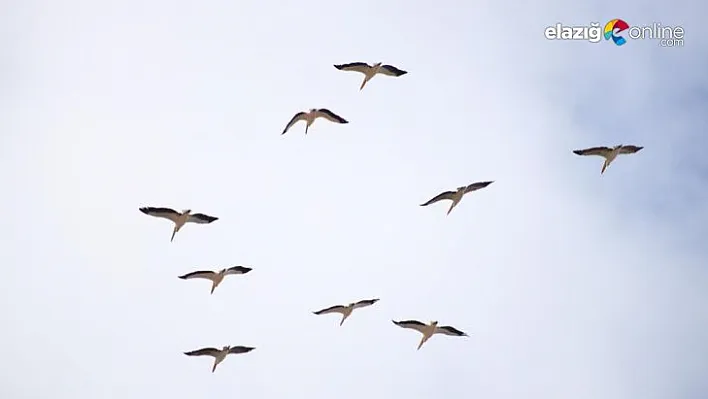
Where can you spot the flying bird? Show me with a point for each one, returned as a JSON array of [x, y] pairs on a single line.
[[610, 154], [370, 71], [310, 117], [428, 330], [456, 196], [216, 277], [219, 354], [346, 311], [179, 219]]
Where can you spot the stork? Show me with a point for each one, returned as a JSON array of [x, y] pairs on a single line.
[[610, 154], [347, 310], [428, 330], [311, 116], [219, 354], [216, 277], [456, 196], [179, 219], [370, 71]]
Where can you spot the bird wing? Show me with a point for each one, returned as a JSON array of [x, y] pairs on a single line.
[[630, 149], [412, 324], [362, 67], [601, 151], [201, 218], [329, 115], [240, 349], [332, 309], [445, 195], [477, 186], [365, 303], [207, 274], [391, 70], [238, 270], [204, 352], [298, 117], [167, 213], [448, 330]]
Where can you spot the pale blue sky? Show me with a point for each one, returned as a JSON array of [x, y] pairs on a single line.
[[571, 284]]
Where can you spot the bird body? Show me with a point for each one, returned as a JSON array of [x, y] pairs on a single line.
[[219, 354], [457, 195], [609, 153], [370, 71], [428, 330], [310, 116], [216, 277], [347, 310], [178, 218]]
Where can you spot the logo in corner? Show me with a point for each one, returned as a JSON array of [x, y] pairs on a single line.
[[613, 27]]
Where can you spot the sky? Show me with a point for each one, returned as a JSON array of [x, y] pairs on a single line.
[[571, 284]]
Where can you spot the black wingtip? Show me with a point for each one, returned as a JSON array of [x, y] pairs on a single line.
[[242, 269], [247, 348]]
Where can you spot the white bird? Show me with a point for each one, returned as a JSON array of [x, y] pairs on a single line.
[[346, 311], [179, 219], [428, 330], [216, 277], [219, 354], [456, 196], [370, 71], [310, 117], [608, 153]]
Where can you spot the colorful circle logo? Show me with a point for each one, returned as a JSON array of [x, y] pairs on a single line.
[[619, 26]]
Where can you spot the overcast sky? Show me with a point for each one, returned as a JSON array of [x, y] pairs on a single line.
[[570, 284]]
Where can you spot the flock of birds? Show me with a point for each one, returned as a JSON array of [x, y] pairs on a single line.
[[180, 219]]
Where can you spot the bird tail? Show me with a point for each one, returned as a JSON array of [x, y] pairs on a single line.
[[422, 341], [173, 234]]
